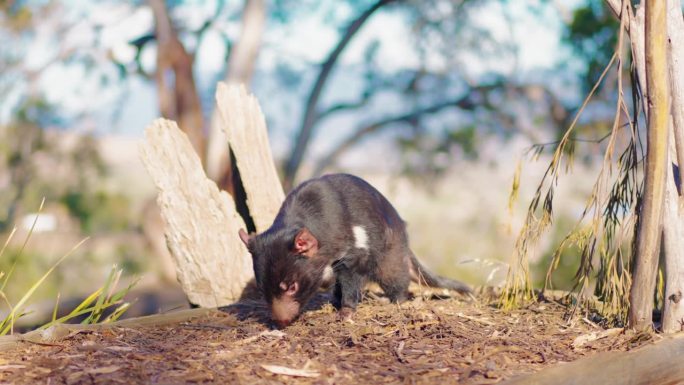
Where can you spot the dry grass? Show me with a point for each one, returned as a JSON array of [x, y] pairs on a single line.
[[605, 229]]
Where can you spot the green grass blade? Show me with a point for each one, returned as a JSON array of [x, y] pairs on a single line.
[[9, 239], [13, 313], [117, 313], [89, 300], [54, 310], [23, 246], [68, 317], [101, 299], [121, 293]]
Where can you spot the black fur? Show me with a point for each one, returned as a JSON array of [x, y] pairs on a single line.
[[329, 207]]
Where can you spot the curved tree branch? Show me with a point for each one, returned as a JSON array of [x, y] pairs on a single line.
[[344, 106], [311, 114], [559, 115], [464, 102]]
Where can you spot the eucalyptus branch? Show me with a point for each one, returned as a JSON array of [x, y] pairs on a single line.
[[464, 102], [536, 146], [344, 107], [311, 115]]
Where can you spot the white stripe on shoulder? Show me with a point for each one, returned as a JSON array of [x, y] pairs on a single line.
[[328, 274], [360, 237]]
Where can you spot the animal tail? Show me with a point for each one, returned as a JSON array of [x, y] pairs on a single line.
[[422, 275]]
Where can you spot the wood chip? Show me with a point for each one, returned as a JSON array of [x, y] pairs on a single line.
[[285, 371], [267, 333], [11, 367], [584, 339], [104, 370], [120, 348], [480, 320]]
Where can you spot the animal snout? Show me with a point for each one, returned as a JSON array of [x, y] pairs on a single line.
[[282, 323], [284, 310]]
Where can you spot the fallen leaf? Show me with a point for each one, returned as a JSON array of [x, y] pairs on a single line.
[[56, 332], [225, 354], [290, 371], [586, 338], [74, 377], [268, 333], [480, 320], [120, 348], [42, 369], [11, 367], [104, 370]]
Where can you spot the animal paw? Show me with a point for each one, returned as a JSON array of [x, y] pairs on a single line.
[[345, 315]]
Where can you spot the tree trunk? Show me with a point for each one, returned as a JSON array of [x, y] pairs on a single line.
[[673, 244], [637, 36], [673, 217], [675, 38], [212, 264], [61, 331], [241, 66], [178, 97], [179, 101], [648, 236], [655, 364]]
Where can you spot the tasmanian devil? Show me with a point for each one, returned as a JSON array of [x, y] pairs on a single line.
[[337, 227]]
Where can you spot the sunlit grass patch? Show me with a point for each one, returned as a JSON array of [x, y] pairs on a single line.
[[94, 306]]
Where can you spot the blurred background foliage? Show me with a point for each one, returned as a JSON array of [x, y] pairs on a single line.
[[434, 101]]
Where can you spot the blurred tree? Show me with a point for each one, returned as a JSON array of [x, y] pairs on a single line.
[[444, 31], [37, 158], [38, 163], [631, 211], [240, 69], [179, 99], [311, 113], [436, 106], [178, 96], [592, 34], [221, 165], [20, 141]]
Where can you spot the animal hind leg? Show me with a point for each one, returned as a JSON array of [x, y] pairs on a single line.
[[393, 276], [396, 289]]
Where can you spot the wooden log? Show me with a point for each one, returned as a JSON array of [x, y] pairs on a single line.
[[58, 332], [212, 264], [656, 364], [245, 126]]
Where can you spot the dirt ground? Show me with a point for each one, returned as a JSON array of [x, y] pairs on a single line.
[[423, 341]]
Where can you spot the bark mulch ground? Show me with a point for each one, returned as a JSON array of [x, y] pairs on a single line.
[[423, 341]]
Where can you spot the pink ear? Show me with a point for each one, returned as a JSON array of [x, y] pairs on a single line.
[[305, 243], [289, 290], [244, 236]]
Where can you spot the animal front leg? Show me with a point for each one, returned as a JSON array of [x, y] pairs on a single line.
[[347, 292]]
